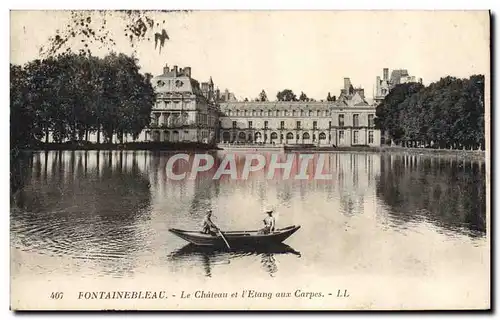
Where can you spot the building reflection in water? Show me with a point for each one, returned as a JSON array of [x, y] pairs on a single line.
[[115, 207]]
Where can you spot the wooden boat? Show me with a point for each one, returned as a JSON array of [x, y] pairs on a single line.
[[236, 239]]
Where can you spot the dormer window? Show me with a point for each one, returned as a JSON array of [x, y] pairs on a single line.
[[160, 83]]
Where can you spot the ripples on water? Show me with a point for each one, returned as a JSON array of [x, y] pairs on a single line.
[[109, 214]]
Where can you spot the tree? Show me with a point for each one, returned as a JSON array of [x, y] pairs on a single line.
[[448, 113], [286, 95], [388, 112], [262, 96], [72, 95], [303, 97], [330, 98], [86, 27]]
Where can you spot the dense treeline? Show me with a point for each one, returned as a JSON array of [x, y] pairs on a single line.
[[446, 114], [71, 96]]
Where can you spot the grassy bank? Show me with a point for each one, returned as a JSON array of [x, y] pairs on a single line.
[[462, 154]]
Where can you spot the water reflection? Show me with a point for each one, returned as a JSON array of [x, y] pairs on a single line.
[[110, 211], [446, 191], [211, 257]]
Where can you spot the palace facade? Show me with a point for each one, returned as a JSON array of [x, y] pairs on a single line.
[[346, 121], [187, 111]]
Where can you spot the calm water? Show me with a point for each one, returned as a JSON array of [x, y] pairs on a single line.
[[107, 214]]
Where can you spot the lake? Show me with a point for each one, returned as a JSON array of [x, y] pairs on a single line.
[[105, 215]]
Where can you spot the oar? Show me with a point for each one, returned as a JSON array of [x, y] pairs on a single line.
[[223, 238]]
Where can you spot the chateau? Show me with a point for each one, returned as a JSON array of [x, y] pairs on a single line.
[[346, 121], [188, 111], [184, 109]]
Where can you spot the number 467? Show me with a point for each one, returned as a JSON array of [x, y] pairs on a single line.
[[56, 295]]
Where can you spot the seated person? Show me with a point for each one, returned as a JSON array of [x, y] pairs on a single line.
[[269, 223], [208, 226]]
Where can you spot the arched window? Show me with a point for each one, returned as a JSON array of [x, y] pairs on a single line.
[[306, 136], [289, 135], [322, 136]]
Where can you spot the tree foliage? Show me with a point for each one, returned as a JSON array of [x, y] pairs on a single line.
[[447, 113], [87, 27], [262, 96], [286, 95], [73, 95], [303, 97]]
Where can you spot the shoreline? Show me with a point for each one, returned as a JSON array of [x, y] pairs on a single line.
[[189, 146]]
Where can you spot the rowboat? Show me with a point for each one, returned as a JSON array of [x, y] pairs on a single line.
[[236, 239]]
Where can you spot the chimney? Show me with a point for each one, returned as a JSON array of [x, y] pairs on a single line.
[[420, 80], [377, 86], [175, 71], [180, 70], [334, 98], [386, 73], [187, 72], [166, 69], [347, 85]]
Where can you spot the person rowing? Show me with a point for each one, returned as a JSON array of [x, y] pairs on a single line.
[[269, 222], [208, 226]]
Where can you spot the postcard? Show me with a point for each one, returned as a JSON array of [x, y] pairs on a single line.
[[250, 160]]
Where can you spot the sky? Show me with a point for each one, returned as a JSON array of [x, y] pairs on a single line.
[[309, 51]]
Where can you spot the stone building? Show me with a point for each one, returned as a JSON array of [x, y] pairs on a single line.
[[346, 121], [384, 85], [185, 110]]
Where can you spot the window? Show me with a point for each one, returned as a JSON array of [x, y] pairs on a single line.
[[370, 136], [310, 113], [315, 125], [355, 120], [301, 113], [234, 124], [317, 113], [229, 113], [282, 124], [298, 124], [250, 124], [371, 122], [293, 113], [341, 121], [341, 135], [261, 113], [355, 137], [265, 124], [329, 124]]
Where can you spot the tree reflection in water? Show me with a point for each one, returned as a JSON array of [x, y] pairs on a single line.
[[210, 257]]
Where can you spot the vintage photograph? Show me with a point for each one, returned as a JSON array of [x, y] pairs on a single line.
[[249, 160]]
